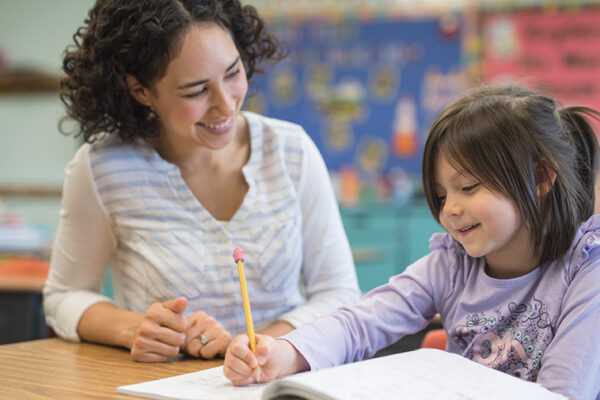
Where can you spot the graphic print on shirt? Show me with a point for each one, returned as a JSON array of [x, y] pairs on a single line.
[[513, 341]]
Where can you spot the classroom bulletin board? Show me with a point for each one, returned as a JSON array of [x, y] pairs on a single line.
[[366, 91], [557, 51]]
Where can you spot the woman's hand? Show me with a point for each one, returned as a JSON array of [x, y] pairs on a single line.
[[205, 337], [275, 357], [161, 332]]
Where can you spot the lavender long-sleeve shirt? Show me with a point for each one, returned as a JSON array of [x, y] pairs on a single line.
[[543, 326]]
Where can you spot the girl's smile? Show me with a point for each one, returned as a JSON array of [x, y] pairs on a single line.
[[485, 223], [468, 229]]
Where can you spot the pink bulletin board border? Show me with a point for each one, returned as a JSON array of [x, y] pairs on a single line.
[[553, 50]]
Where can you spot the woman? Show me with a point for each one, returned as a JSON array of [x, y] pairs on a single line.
[[174, 176]]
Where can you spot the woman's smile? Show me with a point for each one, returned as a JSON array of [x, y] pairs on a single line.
[[217, 127]]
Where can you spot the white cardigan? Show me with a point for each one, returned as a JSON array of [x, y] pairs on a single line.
[[126, 207]]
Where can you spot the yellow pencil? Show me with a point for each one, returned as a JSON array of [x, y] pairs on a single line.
[[238, 257]]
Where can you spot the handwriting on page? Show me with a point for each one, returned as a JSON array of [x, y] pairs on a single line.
[[207, 384], [423, 375]]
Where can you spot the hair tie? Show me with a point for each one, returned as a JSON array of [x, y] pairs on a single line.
[[557, 115]]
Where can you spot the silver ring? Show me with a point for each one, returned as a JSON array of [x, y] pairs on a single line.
[[203, 340]]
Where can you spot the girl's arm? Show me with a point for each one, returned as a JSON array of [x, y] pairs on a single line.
[[571, 363], [401, 307]]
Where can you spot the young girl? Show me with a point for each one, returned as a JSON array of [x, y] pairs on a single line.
[[515, 279]]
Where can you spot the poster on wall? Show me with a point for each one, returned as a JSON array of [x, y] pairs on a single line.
[[365, 91], [555, 51]]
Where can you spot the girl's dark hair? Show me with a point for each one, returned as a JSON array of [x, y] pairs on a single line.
[[140, 38], [505, 137]]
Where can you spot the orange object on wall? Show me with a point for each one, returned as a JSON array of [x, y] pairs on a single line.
[[350, 186]]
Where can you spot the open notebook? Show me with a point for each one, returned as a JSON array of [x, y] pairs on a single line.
[[417, 375]]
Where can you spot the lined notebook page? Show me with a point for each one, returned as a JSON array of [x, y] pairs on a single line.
[[206, 384], [424, 374]]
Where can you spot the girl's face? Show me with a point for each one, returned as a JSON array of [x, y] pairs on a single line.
[[199, 99], [485, 223]]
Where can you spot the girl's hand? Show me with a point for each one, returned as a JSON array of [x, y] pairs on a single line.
[[205, 337], [276, 358], [161, 332], [240, 360]]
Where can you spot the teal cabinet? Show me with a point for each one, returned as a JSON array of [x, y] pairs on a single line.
[[373, 236], [420, 227], [107, 286], [385, 239]]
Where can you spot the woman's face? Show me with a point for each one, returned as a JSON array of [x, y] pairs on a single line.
[[199, 99]]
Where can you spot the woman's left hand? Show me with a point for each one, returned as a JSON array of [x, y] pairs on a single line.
[[205, 337]]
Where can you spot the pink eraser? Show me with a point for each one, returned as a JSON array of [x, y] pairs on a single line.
[[238, 254]]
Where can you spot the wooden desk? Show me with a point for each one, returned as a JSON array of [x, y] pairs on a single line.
[[55, 369]]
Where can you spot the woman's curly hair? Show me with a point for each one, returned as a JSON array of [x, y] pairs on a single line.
[[140, 38]]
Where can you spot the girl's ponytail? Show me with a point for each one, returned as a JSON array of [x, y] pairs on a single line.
[[576, 121]]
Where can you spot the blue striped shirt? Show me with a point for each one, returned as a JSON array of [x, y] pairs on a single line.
[[162, 243]]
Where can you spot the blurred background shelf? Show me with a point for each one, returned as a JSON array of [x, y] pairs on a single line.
[[27, 81], [37, 191]]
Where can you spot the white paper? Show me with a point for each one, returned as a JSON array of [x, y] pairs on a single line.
[[206, 384], [424, 374]]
